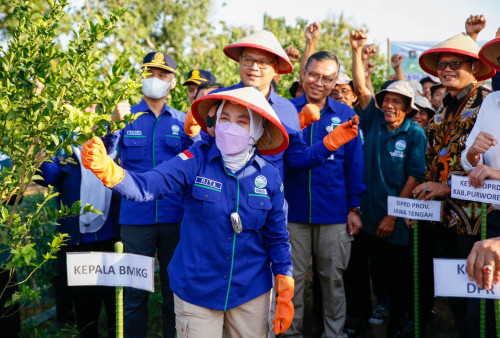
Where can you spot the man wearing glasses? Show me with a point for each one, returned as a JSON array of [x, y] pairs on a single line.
[[456, 63], [343, 91], [324, 201], [260, 58]]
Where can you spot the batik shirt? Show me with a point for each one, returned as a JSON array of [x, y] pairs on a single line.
[[446, 135]]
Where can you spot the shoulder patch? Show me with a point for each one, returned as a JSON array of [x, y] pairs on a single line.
[[185, 155]]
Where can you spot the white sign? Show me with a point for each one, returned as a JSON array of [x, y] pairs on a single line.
[[414, 209], [110, 269], [451, 280], [488, 193]]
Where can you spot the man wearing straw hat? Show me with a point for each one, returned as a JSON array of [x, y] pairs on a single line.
[[456, 62], [260, 58]]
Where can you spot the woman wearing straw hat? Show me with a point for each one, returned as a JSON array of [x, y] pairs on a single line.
[[233, 233]]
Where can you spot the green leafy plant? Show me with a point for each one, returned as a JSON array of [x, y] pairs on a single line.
[[45, 90]]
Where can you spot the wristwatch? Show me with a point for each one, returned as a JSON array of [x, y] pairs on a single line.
[[356, 210]]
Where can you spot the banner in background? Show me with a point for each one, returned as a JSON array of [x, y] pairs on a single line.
[[411, 51]]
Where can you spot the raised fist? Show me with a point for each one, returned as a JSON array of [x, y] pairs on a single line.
[[474, 24], [357, 39], [369, 51], [396, 60], [313, 31], [292, 53]]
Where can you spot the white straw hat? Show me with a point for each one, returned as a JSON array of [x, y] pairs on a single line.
[[265, 41], [490, 53], [273, 141], [461, 44]]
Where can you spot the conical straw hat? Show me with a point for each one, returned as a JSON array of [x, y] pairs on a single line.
[[459, 44], [274, 140], [265, 41], [490, 53]]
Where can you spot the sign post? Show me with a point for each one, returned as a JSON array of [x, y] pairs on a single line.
[[416, 210], [119, 299], [116, 269]]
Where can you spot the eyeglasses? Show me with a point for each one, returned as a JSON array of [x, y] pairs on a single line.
[[325, 80], [262, 64], [454, 65], [344, 91]]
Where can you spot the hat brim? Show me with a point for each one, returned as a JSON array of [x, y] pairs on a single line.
[[197, 81], [490, 54], [428, 62], [234, 51], [273, 141], [379, 98], [155, 65]]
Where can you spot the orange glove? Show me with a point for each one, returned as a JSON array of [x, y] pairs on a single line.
[[308, 115], [191, 127], [283, 316], [342, 134], [94, 157]]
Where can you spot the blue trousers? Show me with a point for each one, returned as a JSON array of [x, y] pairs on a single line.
[[157, 240]]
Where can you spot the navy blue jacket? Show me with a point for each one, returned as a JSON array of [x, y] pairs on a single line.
[[213, 266], [143, 145], [323, 194]]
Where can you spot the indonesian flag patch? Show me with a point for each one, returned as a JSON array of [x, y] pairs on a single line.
[[186, 155]]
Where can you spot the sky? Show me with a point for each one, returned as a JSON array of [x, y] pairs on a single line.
[[399, 20]]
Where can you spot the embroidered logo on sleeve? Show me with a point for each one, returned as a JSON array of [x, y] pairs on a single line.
[[186, 155]]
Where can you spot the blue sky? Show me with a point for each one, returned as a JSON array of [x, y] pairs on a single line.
[[399, 20]]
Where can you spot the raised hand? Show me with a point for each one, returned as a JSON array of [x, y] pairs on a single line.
[[292, 53], [474, 25], [357, 39], [368, 51], [313, 31], [396, 60]]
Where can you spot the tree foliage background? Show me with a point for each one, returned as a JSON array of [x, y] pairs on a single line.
[[90, 52]]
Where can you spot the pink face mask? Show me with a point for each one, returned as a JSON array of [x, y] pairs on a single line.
[[231, 139]]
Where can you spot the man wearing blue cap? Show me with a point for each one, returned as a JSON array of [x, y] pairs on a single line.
[[195, 78], [151, 228]]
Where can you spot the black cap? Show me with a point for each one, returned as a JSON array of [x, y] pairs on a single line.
[[427, 79], [197, 76], [160, 60], [436, 87]]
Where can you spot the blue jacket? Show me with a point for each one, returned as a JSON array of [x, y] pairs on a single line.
[[213, 266], [323, 194], [298, 155], [143, 145], [65, 175]]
